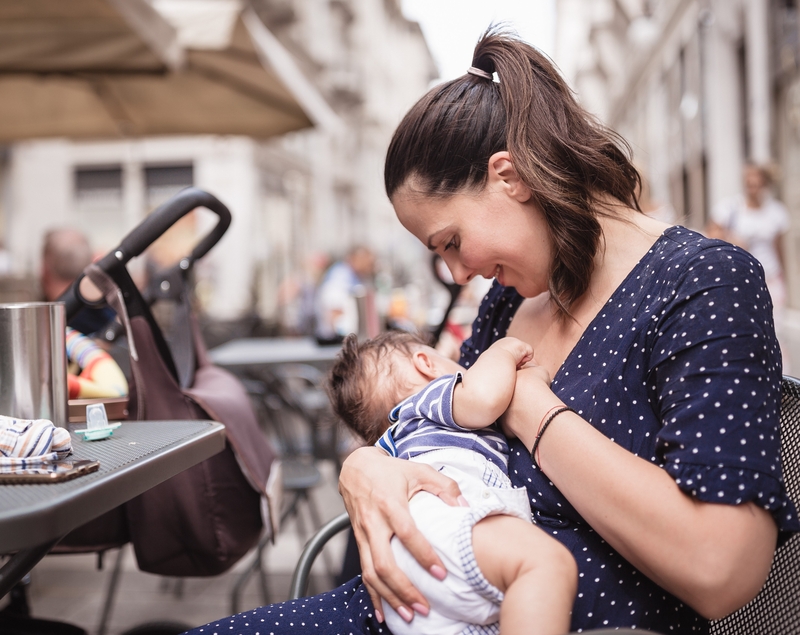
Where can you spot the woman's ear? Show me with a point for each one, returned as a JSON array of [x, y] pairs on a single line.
[[424, 363], [502, 173]]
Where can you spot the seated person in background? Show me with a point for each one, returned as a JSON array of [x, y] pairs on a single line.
[[417, 404], [93, 373], [66, 253]]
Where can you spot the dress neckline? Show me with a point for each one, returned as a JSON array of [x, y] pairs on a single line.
[[665, 235]]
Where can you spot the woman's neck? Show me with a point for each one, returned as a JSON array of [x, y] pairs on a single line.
[[627, 237]]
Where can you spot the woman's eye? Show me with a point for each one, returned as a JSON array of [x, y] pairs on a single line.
[[452, 243]]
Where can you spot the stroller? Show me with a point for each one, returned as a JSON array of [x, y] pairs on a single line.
[[203, 520]]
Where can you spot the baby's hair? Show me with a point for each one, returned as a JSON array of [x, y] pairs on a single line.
[[361, 390]]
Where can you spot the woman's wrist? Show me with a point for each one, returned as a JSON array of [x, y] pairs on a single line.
[[554, 412]]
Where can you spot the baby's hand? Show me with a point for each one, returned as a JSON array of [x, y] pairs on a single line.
[[521, 351]]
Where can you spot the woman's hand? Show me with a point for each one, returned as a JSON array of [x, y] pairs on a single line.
[[531, 402], [376, 489]]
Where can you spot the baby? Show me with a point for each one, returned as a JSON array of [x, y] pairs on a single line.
[[415, 404]]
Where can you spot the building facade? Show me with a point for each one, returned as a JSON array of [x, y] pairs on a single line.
[[698, 88]]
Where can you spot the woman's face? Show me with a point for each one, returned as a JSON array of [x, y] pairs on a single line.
[[491, 234]]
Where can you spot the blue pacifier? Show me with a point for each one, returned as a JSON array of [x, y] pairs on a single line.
[[97, 425]]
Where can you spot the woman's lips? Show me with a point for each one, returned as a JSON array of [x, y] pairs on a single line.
[[498, 274]]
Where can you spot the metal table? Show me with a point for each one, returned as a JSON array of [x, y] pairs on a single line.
[[140, 455], [261, 352]]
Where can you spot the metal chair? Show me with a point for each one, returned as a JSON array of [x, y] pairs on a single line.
[[776, 609], [280, 414], [312, 549]]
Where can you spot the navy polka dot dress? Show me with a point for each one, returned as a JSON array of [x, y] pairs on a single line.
[[681, 367]]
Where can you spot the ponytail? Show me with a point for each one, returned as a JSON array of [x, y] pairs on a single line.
[[568, 159]]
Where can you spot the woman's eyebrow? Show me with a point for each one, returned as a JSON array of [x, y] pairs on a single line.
[[431, 246]]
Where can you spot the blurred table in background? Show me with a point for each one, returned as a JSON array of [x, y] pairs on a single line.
[[285, 377], [248, 353]]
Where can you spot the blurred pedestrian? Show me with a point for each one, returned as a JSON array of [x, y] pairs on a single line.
[[757, 222], [65, 254], [337, 298]]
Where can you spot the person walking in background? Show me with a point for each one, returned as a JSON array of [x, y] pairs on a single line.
[[337, 311], [756, 222]]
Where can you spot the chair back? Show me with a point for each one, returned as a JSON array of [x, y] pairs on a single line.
[[776, 609]]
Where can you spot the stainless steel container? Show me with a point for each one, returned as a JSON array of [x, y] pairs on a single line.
[[33, 361]]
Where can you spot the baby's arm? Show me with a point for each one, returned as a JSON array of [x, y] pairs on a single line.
[[486, 389]]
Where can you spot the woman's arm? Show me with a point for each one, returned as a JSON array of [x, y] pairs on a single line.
[[376, 490], [714, 557]]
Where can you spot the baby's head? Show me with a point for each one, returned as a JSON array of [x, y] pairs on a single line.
[[370, 378]]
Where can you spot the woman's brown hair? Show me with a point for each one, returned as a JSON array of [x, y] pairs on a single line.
[[570, 161]]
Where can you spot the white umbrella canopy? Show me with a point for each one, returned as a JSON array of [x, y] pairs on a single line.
[[111, 68]]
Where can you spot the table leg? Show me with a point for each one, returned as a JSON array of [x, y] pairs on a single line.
[[21, 563]]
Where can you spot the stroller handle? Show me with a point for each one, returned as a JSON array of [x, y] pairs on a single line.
[[146, 233], [452, 286], [165, 217]]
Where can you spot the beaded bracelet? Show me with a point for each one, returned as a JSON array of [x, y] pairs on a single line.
[[546, 423]]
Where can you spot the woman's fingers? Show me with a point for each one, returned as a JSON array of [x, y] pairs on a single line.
[[429, 480], [376, 490], [380, 572]]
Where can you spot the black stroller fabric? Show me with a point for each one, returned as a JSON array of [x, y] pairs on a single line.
[[203, 520]]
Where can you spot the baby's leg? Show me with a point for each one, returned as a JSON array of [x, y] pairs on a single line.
[[537, 574]]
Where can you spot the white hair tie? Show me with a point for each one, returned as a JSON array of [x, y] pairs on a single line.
[[479, 72]]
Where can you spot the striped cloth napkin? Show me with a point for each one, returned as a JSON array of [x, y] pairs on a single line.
[[25, 442]]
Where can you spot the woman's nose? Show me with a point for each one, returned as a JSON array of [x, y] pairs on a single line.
[[461, 274]]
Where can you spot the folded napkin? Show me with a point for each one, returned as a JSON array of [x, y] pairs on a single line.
[[25, 442]]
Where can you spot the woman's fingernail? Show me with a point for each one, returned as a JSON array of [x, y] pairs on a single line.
[[379, 616], [463, 501], [438, 572], [420, 608], [405, 613]]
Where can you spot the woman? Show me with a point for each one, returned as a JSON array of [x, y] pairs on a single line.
[[757, 222], [664, 481]]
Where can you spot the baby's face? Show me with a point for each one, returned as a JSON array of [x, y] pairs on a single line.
[[398, 376]]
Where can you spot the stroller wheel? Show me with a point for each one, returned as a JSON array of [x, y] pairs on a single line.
[[158, 628]]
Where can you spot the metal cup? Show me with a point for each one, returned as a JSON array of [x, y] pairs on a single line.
[[33, 361]]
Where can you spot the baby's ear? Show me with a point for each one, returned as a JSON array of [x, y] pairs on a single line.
[[424, 363]]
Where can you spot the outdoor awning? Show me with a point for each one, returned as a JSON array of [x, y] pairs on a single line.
[[112, 68]]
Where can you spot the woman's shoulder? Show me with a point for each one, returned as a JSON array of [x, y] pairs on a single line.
[[687, 249]]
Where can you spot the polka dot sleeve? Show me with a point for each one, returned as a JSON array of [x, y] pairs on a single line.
[[716, 370]]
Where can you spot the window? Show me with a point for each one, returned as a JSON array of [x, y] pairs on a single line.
[[99, 208], [163, 182], [98, 187]]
